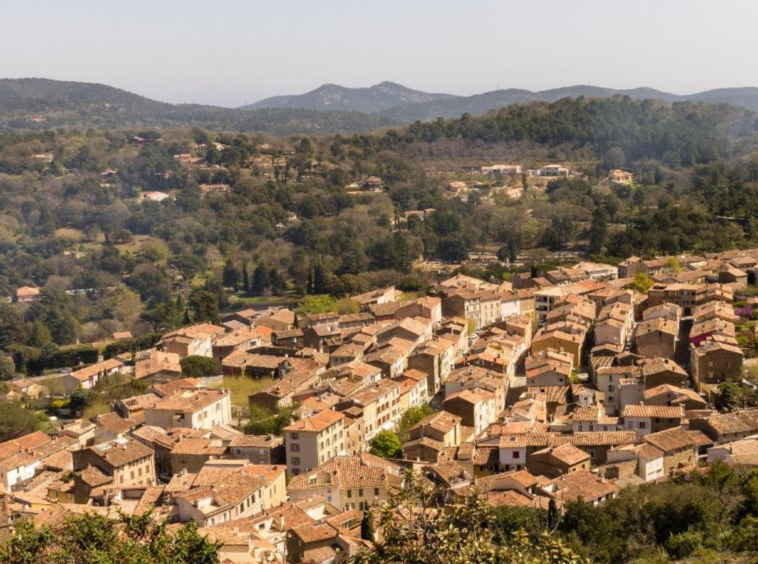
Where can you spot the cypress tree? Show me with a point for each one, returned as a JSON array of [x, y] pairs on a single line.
[[319, 279], [260, 280], [245, 279], [367, 527], [309, 286]]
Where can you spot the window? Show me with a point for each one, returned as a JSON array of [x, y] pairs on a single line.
[[295, 460], [349, 493], [294, 436], [643, 425], [295, 447], [360, 492], [516, 454], [376, 491]]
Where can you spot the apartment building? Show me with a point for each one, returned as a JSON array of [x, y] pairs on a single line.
[[313, 441], [202, 408], [476, 408], [195, 340], [349, 482], [120, 462], [380, 404]]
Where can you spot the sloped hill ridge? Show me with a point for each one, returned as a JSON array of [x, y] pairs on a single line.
[[35, 104], [379, 97], [42, 93]]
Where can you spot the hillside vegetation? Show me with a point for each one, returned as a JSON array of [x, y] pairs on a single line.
[[40, 104], [292, 219]]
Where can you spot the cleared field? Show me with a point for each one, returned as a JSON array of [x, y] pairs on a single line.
[[66, 233], [133, 246], [241, 387], [252, 300]]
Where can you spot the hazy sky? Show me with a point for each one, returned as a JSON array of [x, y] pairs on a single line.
[[227, 52]]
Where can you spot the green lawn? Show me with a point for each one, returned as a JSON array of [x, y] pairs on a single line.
[[242, 387]]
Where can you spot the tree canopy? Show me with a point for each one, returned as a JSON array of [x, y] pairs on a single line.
[[90, 538]]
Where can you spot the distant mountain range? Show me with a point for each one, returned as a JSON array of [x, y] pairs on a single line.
[[377, 98], [396, 103], [35, 104]]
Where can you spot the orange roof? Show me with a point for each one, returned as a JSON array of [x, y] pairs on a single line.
[[317, 422], [27, 291]]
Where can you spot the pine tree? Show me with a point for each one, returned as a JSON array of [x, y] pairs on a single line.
[[231, 275], [276, 281], [40, 335]]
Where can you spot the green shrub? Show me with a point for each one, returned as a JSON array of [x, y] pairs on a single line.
[[198, 366], [684, 544]]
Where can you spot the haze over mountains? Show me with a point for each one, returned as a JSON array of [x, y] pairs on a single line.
[[397, 103], [34, 103]]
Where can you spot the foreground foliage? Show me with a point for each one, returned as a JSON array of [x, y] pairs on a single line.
[[709, 511], [94, 539], [423, 525]]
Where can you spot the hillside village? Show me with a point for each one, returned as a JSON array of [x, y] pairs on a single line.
[[571, 385]]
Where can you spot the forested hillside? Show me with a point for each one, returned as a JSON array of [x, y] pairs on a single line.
[[33, 104], [290, 216], [40, 104], [678, 134]]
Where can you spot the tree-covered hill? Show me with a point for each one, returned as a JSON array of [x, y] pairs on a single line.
[[41, 95], [35, 104], [367, 100], [39, 104], [681, 133], [479, 104]]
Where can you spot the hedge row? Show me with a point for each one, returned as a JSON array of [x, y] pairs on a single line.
[[128, 345], [31, 360]]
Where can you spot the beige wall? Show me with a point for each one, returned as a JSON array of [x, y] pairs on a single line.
[[309, 449], [140, 472], [217, 413]]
